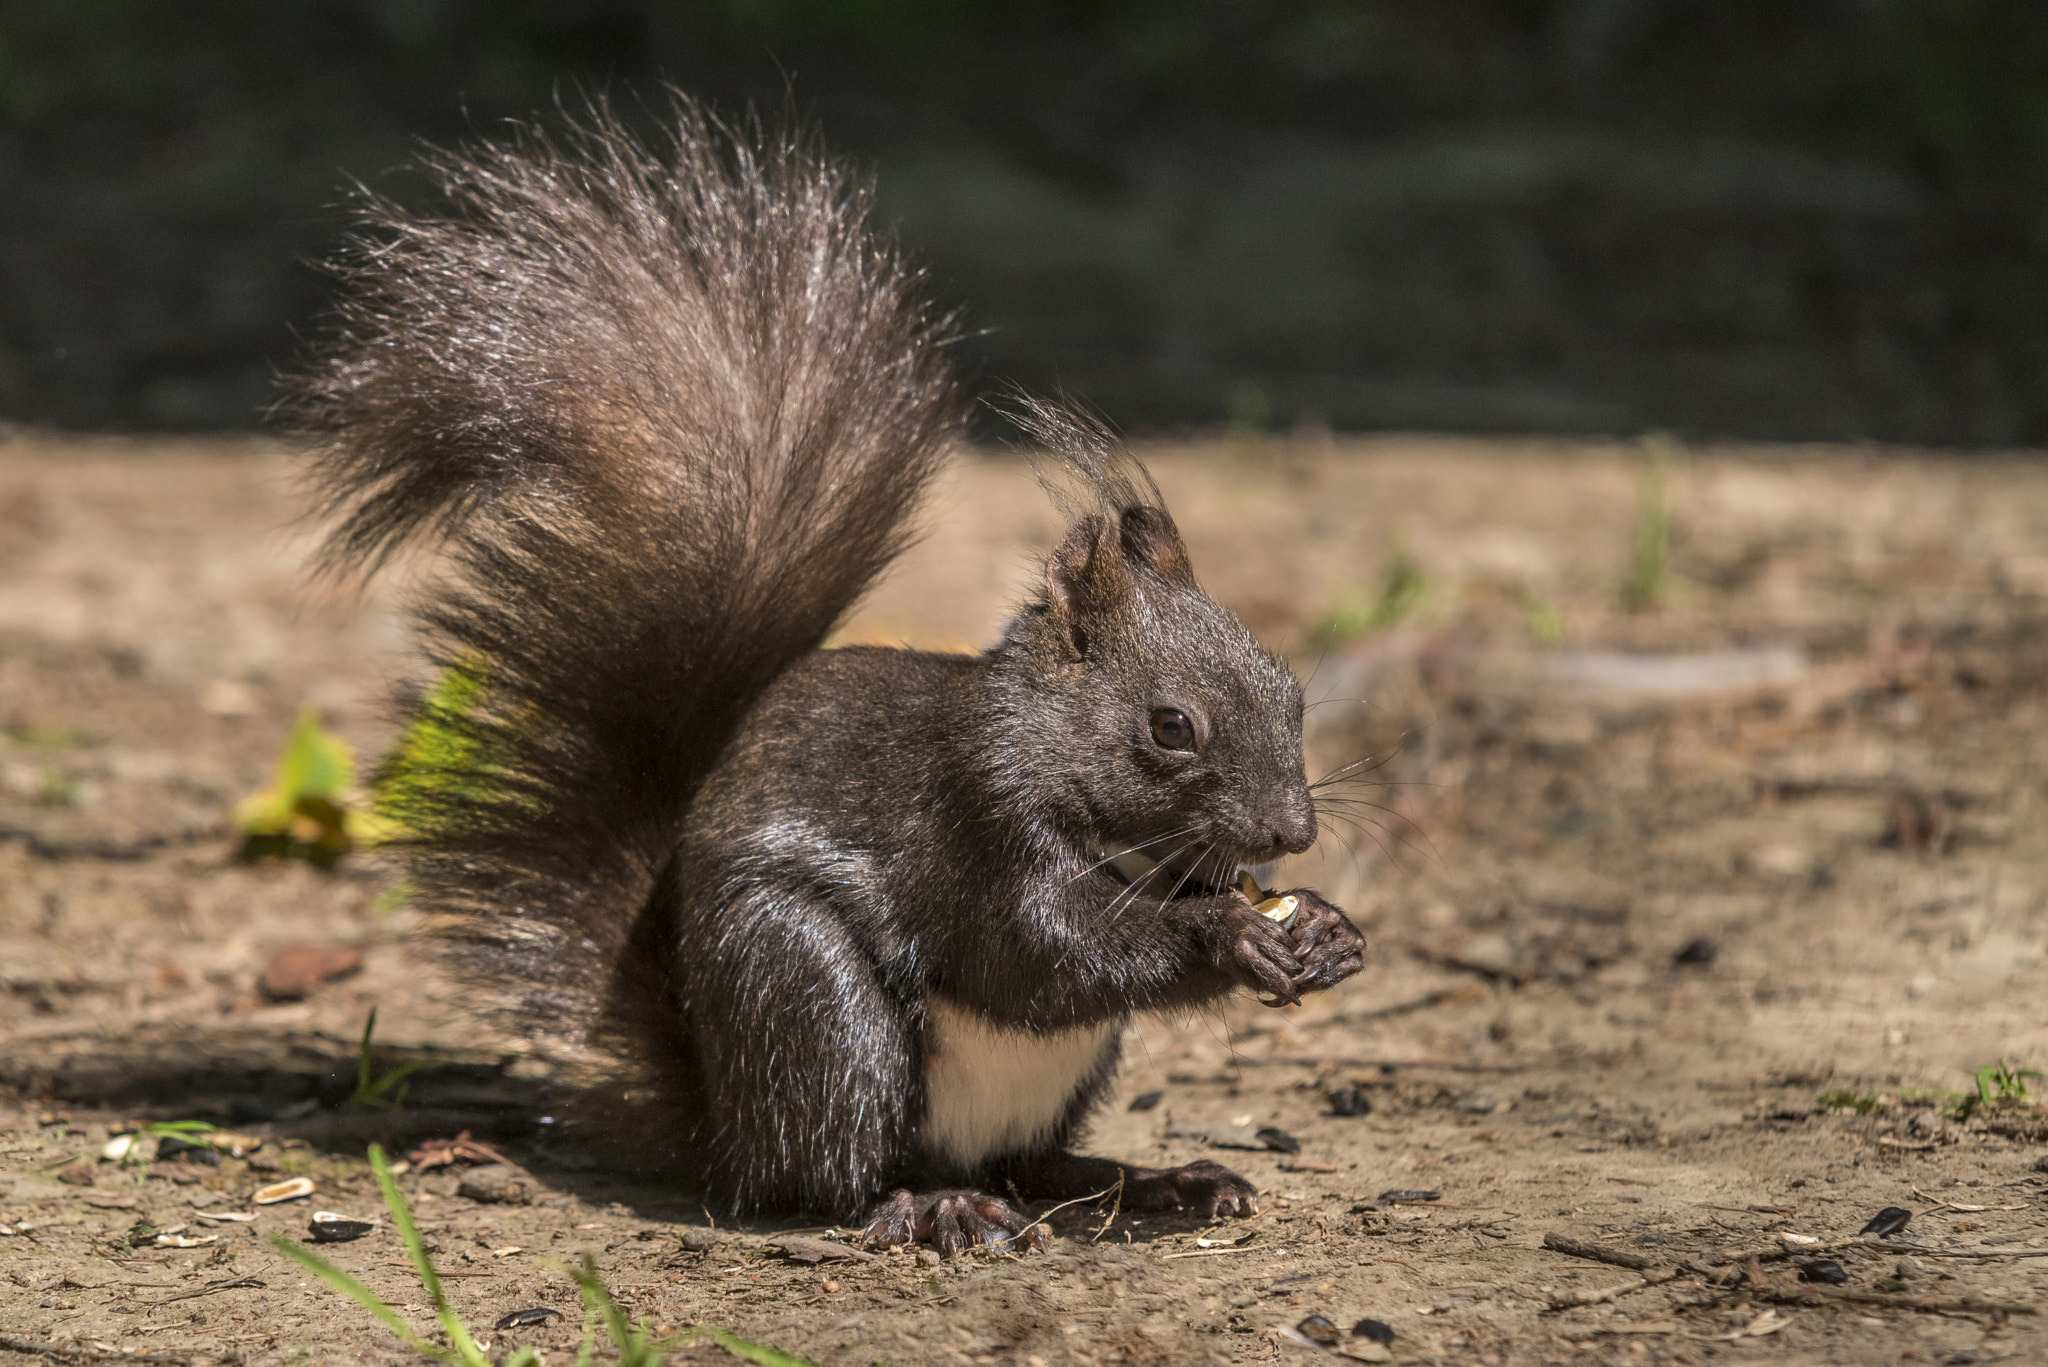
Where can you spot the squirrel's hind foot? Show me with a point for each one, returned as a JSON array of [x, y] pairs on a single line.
[[951, 1222]]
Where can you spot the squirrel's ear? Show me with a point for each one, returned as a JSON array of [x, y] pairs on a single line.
[[1083, 576], [1150, 539]]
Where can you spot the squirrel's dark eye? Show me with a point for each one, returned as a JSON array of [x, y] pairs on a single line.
[[1172, 730]]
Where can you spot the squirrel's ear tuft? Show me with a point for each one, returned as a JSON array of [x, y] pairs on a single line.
[[1084, 576], [1150, 539]]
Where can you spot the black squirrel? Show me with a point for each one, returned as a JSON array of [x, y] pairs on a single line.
[[846, 922]]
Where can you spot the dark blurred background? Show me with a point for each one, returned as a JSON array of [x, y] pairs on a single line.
[[1822, 219]]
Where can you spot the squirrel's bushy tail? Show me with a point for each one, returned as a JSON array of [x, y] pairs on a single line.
[[669, 410]]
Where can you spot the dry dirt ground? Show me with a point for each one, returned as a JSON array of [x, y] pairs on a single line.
[[1820, 756]]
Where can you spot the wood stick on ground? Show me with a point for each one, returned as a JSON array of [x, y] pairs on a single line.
[[1579, 1248], [1970, 1305], [1761, 1286], [83, 1352], [1975, 1251], [1599, 1253], [1569, 1299], [214, 1288], [1779, 1253]]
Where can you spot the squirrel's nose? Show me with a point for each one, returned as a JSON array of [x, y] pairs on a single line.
[[1295, 830]]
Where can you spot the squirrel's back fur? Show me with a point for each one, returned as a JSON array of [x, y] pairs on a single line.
[[670, 410]]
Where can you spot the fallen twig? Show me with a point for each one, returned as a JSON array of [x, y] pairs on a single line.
[[1782, 1252], [1046, 1219], [1959, 1305], [1570, 1299], [1600, 1253], [1342, 1061], [1116, 1206], [225, 1284], [1974, 1251], [83, 1352]]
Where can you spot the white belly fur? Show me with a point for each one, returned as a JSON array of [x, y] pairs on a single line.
[[992, 1091]]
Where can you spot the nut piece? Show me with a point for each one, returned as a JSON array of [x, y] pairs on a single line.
[[1268, 905]]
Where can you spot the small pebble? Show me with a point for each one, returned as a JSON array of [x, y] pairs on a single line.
[[1350, 1101], [1696, 953], [1379, 1331], [1909, 1267], [1318, 1329], [526, 1319], [498, 1184], [699, 1240], [2041, 1163], [77, 1174], [1825, 1270], [928, 1258], [295, 970], [1890, 1220], [1145, 1101], [831, 1286]]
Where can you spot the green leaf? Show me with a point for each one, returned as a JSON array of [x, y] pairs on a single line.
[[303, 811]]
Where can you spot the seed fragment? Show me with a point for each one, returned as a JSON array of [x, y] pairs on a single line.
[[1379, 1331], [1272, 906], [1825, 1270], [526, 1319], [1890, 1220], [1406, 1198], [1318, 1329], [1278, 1140], [291, 1189], [328, 1228]]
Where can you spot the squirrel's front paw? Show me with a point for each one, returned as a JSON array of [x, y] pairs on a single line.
[[1211, 1190], [1326, 944], [1258, 951]]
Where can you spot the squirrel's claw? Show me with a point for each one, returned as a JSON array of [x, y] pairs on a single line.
[[1259, 951], [951, 1222]]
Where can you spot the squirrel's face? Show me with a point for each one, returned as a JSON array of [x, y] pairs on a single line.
[[1174, 732]]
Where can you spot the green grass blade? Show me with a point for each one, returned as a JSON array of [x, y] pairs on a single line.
[[338, 1280], [363, 1065], [416, 1249], [756, 1352], [599, 1301]]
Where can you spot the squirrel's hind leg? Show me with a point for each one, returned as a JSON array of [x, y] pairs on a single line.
[[807, 1062]]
